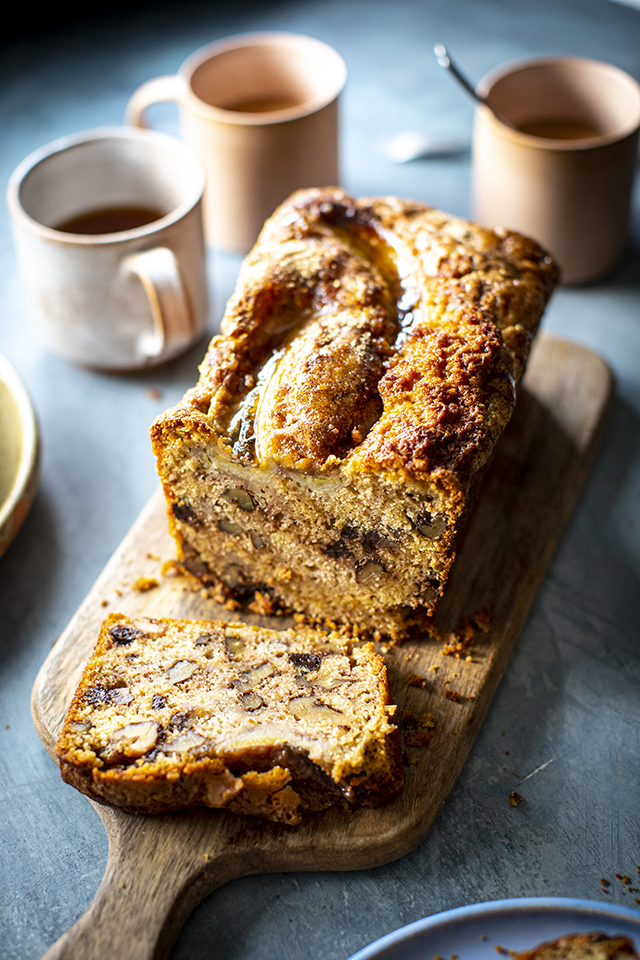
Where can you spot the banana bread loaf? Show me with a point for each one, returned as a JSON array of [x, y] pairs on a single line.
[[171, 714], [366, 367]]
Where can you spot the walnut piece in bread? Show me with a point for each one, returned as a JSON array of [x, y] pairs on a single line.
[[366, 367], [171, 714]]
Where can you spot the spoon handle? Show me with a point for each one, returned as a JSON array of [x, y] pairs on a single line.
[[445, 61], [443, 58]]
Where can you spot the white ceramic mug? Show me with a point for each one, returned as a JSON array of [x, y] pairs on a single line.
[[563, 172], [130, 296], [261, 112]]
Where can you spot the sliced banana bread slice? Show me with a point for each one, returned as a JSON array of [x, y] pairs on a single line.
[[171, 714]]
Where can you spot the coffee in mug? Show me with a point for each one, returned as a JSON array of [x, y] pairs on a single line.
[[109, 220], [108, 231], [261, 112], [562, 171]]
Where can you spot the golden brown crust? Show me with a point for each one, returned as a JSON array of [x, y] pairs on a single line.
[[445, 416], [175, 714], [358, 296]]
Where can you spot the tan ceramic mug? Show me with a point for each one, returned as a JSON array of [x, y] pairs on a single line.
[[563, 172], [261, 112], [108, 231]]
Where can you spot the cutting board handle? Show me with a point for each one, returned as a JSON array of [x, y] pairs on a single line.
[[148, 890]]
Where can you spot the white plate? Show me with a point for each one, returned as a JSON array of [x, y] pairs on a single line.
[[18, 453], [511, 924]]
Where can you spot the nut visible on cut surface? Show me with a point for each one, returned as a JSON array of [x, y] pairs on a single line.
[[204, 639], [240, 497], [251, 701], [233, 529], [311, 709], [121, 695], [430, 526], [385, 543], [249, 679], [234, 646], [183, 743], [369, 572], [181, 670], [133, 741], [80, 726], [331, 683]]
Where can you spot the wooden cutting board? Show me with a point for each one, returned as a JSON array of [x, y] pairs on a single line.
[[159, 868]]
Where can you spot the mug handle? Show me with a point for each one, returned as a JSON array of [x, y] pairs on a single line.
[[174, 326], [153, 91]]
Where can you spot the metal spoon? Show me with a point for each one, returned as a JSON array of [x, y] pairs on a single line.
[[412, 145], [445, 61]]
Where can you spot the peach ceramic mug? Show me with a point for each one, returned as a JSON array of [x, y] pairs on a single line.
[[563, 173], [261, 112], [128, 296]]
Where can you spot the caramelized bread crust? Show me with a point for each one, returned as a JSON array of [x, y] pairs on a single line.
[[171, 714], [366, 366]]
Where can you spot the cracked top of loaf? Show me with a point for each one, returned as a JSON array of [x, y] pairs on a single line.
[[370, 335]]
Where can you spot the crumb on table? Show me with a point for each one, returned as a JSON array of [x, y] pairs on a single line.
[[142, 584], [418, 731]]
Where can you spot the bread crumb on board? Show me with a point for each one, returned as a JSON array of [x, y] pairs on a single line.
[[142, 584]]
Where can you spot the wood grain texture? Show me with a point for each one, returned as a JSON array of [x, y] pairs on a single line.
[[159, 868]]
